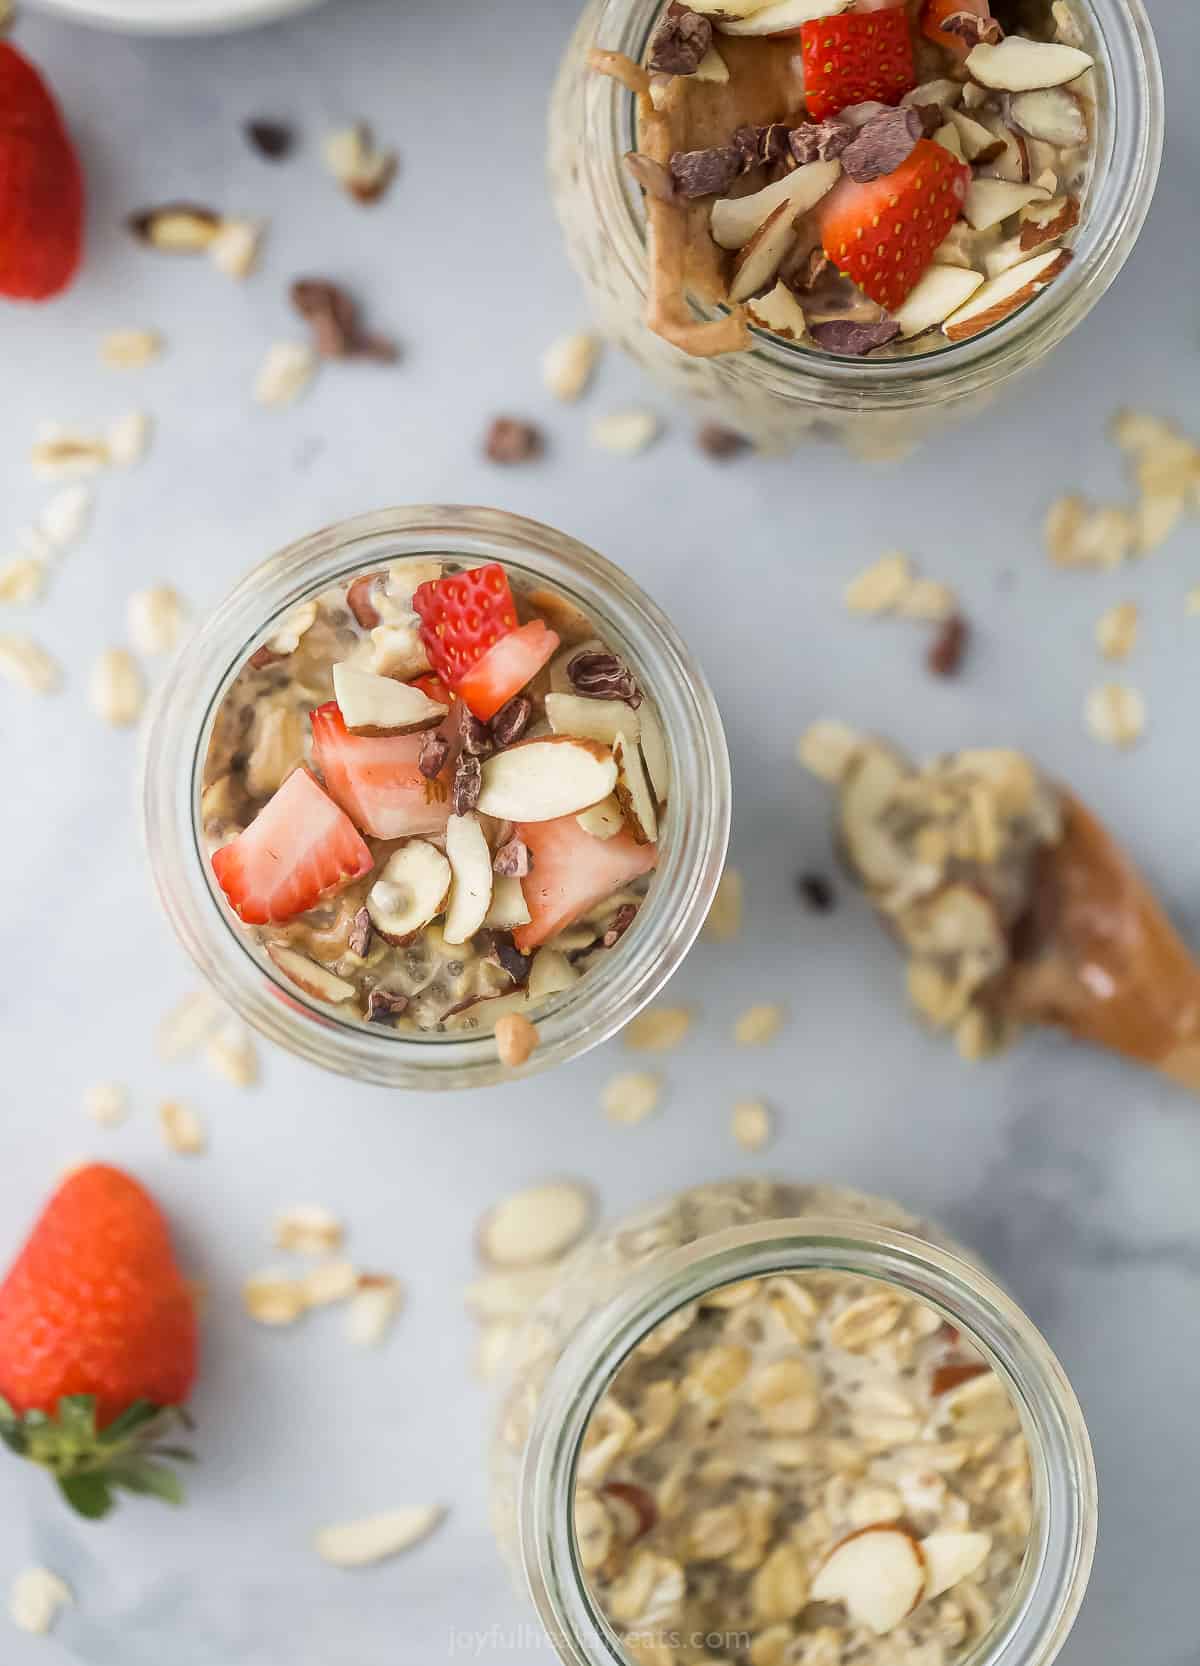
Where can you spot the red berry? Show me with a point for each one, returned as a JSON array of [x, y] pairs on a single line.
[[507, 667], [41, 187], [462, 616], [299, 848], [854, 57], [376, 778], [571, 872], [883, 235], [934, 15]]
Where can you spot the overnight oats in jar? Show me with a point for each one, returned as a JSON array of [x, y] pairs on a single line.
[[411, 797], [770, 1424], [851, 218]]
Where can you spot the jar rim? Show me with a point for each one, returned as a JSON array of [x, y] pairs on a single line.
[[692, 849], [1125, 172], [1050, 1589]]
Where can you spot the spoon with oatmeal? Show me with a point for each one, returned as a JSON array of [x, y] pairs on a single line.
[[1013, 902]]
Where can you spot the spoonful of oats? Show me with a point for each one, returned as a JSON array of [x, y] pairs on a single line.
[[1013, 904]]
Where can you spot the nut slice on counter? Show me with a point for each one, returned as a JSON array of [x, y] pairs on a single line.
[[536, 1225]]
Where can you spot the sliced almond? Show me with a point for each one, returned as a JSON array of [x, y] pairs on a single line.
[[588, 719], [500, 1296], [781, 17], [116, 691], [780, 312], [181, 1128], [537, 1225], [107, 1103], [1051, 114], [712, 67], [307, 1229], [1020, 65], [155, 617], [550, 974], [724, 922], [759, 1024], [1000, 297], [273, 1298], [285, 372], [654, 752], [189, 1023], [979, 143], [397, 650], [940, 292], [1004, 256], [878, 1573], [626, 432], [35, 1600], [989, 201], [232, 1055], [760, 259], [381, 704], [633, 791], [751, 1124], [176, 228], [729, 8], [130, 349], [26, 663], [307, 975], [567, 364], [470, 861], [736, 219], [1013, 162], [329, 1282], [1046, 222], [539, 780], [950, 139], [411, 890], [508, 907], [372, 1309], [357, 1544], [604, 820], [950, 1557]]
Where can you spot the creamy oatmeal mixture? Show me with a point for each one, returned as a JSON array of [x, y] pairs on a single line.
[[803, 1470], [861, 176], [435, 799]]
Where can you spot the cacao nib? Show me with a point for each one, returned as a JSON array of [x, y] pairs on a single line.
[[850, 340], [758, 146], [884, 143], [948, 648], [431, 760], [510, 440], [602, 676], [512, 720], [361, 932], [512, 861], [820, 141], [680, 43], [383, 1004], [705, 173], [619, 925], [468, 783], [719, 442]]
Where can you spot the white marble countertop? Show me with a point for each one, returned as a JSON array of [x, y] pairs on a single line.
[[1074, 1175]]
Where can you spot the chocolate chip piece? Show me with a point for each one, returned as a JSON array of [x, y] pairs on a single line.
[[468, 783], [272, 139], [948, 648], [619, 925], [431, 760], [512, 720], [820, 141], [705, 173], [509, 440], [332, 315], [722, 443], [499, 948], [654, 179], [850, 340], [599, 675], [512, 861], [884, 143], [383, 1004], [361, 932], [474, 734], [816, 892], [758, 146], [976, 31], [680, 43], [932, 117]]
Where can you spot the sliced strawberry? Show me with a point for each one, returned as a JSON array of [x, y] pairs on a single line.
[[506, 668], [935, 12], [883, 235], [854, 57], [433, 688], [376, 780], [299, 848], [571, 872], [462, 616]]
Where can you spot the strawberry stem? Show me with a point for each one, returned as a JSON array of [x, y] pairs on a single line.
[[90, 1465]]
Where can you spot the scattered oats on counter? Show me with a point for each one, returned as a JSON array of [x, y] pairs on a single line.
[[357, 1544], [232, 1055], [36, 1599], [625, 433], [536, 1225], [827, 747], [1165, 465], [751, 1123], [285, 372], [188, 1024], [155, 618], [307, 1229], [373, 1308], [724, 922], [631, 1097], [65, 518], [116, 690], [24, 662], [568, 364], [129, 439], [235, 249], [61, 453], [329, 1282], [657, 1030], [107, 1103], [22, 580], [1117, 630], [182, 1129], [881, 586], [516, 1039], [759, 1024], [273, 1298], [130, 349], [1115, 714]]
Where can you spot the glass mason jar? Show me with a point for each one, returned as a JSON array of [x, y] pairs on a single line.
[[691, 850], [622, 1283], [779, 393]]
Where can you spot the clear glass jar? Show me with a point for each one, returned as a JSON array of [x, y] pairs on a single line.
[[617, 1287], [691, 850], [778, 393]]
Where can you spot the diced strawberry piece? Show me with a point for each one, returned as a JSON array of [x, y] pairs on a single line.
[[883, 235], [935, 13], [462, 616], [571, 872], [506, 668], [299, 848], [433, 688], [854, 57], [376, 780]]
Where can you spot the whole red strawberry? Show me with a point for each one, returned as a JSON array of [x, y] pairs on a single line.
[[97, 1343], [41, 187]]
